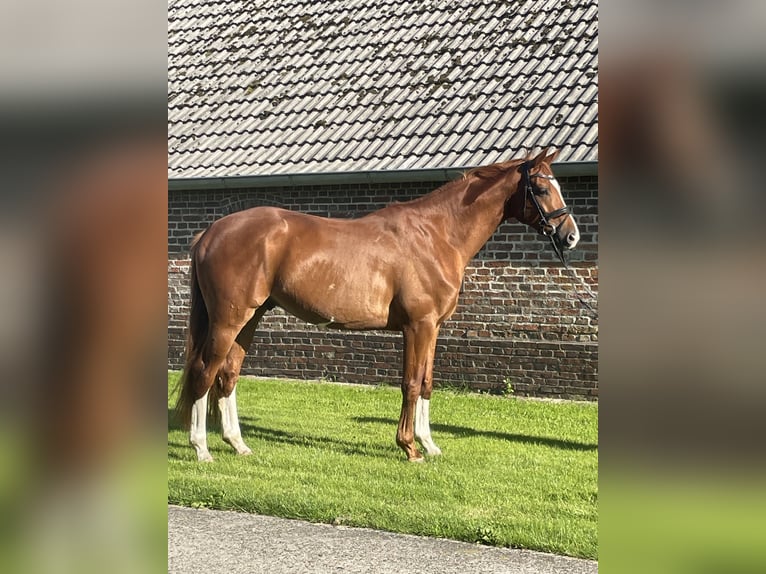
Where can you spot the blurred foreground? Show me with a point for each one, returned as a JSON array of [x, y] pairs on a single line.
[[82, 287], [682, 283], [83, 410]]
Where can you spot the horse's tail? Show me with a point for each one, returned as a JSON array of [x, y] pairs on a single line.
[[199, 324]]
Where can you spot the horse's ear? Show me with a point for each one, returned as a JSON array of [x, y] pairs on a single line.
[[552, 157], [539, 158]]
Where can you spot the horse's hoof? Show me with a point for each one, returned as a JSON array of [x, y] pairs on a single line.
[[245, 452], [205, 458], [418, 458], [433, 450]]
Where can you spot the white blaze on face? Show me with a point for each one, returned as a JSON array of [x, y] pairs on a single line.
[[555, 184]]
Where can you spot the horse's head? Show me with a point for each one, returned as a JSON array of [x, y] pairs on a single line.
[[540, 203]]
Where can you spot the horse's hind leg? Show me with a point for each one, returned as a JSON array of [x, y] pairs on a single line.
[[217, 346], [227, 403], [198, 429]]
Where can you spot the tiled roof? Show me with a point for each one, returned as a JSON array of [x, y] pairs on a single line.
[[305, 86]]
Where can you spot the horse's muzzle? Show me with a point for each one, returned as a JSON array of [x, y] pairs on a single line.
[[565, 240]]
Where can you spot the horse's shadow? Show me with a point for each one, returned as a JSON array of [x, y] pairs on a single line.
[[459, 431], [250, 430], [258, 432], [174, 423]]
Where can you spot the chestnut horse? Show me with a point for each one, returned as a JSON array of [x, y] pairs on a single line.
[[397, 269]]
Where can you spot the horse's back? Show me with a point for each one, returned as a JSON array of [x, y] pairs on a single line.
[[321, 269], [344, 272]]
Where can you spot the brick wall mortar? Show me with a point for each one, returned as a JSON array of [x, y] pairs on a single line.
[[517, 317]]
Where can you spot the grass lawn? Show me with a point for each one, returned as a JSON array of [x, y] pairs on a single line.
[[514, 472]]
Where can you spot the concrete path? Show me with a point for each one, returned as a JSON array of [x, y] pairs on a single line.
[[219, 542]]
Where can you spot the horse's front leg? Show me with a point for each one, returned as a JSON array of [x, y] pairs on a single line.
[[423, 427], [423, 407], [419, 341]]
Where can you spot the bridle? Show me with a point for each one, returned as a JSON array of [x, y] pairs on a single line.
[[548, 229]]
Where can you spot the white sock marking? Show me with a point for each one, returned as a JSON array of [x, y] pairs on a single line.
[[198, 431], [230, 423], [423, 427]]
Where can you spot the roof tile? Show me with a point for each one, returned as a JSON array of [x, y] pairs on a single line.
[[297, 86]]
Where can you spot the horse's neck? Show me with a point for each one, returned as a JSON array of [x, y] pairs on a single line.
[[474, 222]]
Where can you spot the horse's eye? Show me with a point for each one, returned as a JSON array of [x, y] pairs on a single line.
[[540, 191]]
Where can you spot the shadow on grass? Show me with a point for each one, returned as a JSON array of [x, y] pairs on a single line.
[[251, 431], [459, 431], [173, 422]]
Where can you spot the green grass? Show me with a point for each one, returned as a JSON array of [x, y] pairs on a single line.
[[514, 472]]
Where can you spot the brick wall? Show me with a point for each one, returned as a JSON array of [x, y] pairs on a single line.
[[517, 321]]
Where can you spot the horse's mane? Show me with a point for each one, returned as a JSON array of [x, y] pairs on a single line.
[[494, 170], [487, 172], [428, 198]]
